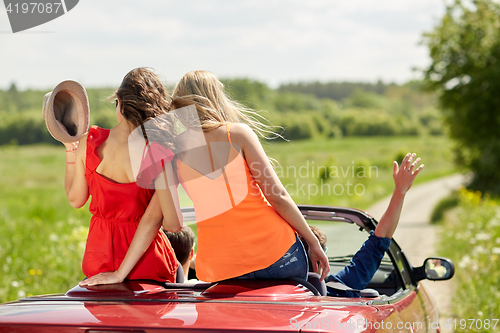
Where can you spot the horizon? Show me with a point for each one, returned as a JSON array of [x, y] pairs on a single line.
[[242, 78]]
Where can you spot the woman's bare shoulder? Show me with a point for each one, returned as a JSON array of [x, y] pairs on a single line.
[[241, 131], [243, 135]]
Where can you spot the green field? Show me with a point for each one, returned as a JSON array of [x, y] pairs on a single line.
[[362, 165], [42, 237]]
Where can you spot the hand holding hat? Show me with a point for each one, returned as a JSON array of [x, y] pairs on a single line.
[[66, 111]]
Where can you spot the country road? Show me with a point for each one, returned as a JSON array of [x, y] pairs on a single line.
[[417, 236]]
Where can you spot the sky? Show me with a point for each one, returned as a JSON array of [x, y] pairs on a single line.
[[274, 41]]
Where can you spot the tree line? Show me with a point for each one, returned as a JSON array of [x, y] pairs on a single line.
[[299, 111]]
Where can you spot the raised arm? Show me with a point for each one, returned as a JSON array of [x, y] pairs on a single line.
[[275, 192], [403, 179], [75, 184]]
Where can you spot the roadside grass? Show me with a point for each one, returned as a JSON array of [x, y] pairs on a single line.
[[443, 206], [471, 238], [359, 169], [42, 237]]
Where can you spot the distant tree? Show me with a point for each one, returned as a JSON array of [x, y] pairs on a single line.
[[13, 88], [465, 71], [249, 92], [362, 99], [334, 90]]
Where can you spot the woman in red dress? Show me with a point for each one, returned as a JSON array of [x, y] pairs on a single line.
[[100, 167], [246, 220]]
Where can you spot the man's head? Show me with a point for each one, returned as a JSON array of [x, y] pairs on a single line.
[[182, 243]]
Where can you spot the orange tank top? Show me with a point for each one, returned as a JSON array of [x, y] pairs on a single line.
[[238, 231]]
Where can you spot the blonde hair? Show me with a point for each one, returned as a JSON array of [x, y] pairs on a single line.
[[214, 107]]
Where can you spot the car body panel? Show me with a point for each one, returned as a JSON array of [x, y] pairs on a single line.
[[187, 310], [236, 305]]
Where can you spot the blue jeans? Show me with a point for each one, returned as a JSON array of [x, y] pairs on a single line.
[[362, 267], [292, 264]]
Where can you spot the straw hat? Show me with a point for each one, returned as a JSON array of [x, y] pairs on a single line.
[[66, 111]]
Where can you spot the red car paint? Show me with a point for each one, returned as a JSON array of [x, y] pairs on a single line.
[[232, 305]]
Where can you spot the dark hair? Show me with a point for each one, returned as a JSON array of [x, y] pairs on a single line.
[[142, 96], [182, 243]]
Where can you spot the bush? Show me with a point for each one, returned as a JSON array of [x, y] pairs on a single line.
[[443, 206], [104, 121], [320, 123], [25, 129], [334, 132], [471, 238], [367, 123], [362, 99], [297, 130]]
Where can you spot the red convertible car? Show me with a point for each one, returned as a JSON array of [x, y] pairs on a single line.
[[394, 302]]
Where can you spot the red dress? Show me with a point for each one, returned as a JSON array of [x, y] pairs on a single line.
[[117, 209]]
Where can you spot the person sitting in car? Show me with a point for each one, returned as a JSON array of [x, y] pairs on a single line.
[[183, 244], [363, 265], [246, 220]]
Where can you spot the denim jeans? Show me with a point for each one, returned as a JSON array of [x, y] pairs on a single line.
[[362, 267], [292, 264]]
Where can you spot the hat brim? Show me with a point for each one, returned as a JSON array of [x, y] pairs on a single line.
[[66, 111]]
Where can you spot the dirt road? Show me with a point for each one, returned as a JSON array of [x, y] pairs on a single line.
[[417, 236]]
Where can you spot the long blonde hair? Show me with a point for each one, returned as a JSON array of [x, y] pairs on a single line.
[[214, 107]]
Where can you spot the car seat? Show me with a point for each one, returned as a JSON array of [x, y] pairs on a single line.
[[179, 275], [313, 278]]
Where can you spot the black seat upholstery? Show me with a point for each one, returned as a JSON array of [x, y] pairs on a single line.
[[313, 278], [179, 275]]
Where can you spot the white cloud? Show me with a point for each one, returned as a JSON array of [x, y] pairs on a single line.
[[276, 41]]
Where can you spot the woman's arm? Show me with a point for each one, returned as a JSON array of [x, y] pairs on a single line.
[[162, 209], [403, 179], [166, 187], [275, 192], [75, 184], [146, 231], [367, 259]]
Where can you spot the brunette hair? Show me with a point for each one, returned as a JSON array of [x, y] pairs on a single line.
[[214, 107], [182, 242], [142, 96]]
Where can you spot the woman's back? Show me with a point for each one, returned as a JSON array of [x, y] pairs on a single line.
[[117, 206], [124, 214], [114, 157], [114, 197], [238, 231]]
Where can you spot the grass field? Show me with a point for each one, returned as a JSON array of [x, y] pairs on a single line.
[[42, 237], [471, 238], [359, 168]]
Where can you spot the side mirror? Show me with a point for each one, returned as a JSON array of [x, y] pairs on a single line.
[[435, 269]]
